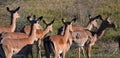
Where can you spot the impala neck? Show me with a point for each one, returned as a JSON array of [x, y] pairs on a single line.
[[66, 34], [32, 34], [100, 32], [13, 24], [89, 26], [45, 32]]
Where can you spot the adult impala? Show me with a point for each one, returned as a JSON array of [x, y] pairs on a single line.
[[80, 31], [91, 37], [92, 23], [58, 44], [40, 34], [12, 46], [12, 26], [19, 35], [106, 23]]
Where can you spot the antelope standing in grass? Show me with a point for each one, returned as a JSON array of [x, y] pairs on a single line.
[[106, 23], [12, 26], [13, 46], [40, 34], [92, 23], [58, 44], [81, 32], [19, 35]]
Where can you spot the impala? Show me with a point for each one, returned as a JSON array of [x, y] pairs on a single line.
[[12, 26], [58, 44], [19, 35], [106, 23], [13, 46], [41, 33], [81, 32], [91, 37], [92, 23]]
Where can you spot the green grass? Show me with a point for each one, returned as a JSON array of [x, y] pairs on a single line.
[[67, 9]]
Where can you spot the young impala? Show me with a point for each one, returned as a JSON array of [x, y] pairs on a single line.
[[12, 26], [58, 44]]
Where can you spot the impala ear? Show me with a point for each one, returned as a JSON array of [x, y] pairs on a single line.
[[108, 19], [89, 16], [8, 9], [17, 9], [40, 18], [51, 22], [73, 20], [100, 17], [44, 22], [29, 18], [63, 21]]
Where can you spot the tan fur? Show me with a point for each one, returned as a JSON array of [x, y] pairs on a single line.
[[19, 35], [14, 35], [84, 34], [41, 33], [27, 28], [60, 42], [89, 26], [11, 46], [99, 33], [12, 26]]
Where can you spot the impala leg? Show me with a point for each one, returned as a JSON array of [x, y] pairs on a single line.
[[56, 54], [39, 52], [38, 49], [8, 53], [88, 51], [83, 51], [79, 52], [64, 54], [39, 42], [37, 46]]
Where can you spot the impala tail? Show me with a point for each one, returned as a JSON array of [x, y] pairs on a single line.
[[49, 46]]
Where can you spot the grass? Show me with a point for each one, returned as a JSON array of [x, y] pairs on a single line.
[[67, 9]]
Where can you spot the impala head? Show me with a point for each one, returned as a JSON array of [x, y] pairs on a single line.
[[14, 13], [106, 23], [30, 19], [69, 24], [49, 25], [93, 21], [35, 20]]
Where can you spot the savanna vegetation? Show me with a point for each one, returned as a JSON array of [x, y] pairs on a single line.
[[107, 47]]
